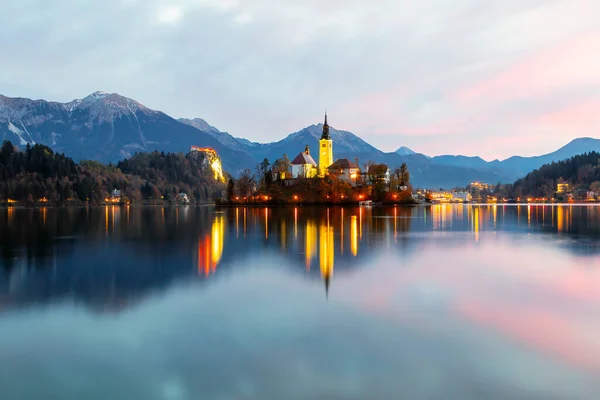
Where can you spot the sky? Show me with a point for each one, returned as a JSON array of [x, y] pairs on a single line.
[[472, 77]]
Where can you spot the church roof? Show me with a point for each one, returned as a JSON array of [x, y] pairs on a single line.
[[325, 134], [303, 159], [343, 163]]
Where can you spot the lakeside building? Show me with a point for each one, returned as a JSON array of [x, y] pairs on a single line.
[[442, 196], [563, 188], [462, 196]]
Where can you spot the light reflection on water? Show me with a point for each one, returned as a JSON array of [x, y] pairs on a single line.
[[452, 301]]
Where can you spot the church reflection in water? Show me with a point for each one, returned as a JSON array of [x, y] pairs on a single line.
[[315, 237]]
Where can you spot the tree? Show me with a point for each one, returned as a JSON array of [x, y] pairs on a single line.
[[262, 171], [595, 187], [245, 184], [404, 175], [282, 166], [377, 174], [231, 190]]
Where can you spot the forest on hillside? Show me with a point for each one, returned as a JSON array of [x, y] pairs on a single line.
[[581, 172], [37, 174]]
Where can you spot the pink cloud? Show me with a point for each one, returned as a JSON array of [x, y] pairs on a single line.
[[569, 63], [583, 114]]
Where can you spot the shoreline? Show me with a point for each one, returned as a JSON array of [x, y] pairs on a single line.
[[258, 205]]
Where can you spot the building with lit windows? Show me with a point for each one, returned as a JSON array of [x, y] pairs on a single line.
[[563, 188], [345, 170]]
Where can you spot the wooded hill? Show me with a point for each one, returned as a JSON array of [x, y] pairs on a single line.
[[581, 172], [38, 175]]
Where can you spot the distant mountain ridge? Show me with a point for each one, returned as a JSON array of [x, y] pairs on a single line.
[[518, 166], [108, 127]]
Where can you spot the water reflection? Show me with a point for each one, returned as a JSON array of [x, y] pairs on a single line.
[[229, 303], [136, 249]]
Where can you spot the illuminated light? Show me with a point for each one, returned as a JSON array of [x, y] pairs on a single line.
[[560, 218], [266, 223], [326, 251], [295, 197], [217, 234], [360, 212], [310, 242], [283, 235], [11, 201], [237, 197], [353, 176], [395, 221], [476, 224], [295, 222], [341, 231], [210, 248]]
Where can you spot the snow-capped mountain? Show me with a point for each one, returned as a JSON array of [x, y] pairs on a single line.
[[105, 127]]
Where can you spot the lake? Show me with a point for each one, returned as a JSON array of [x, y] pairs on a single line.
[[439, 302]]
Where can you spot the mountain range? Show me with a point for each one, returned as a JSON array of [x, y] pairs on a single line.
[[108, 127]]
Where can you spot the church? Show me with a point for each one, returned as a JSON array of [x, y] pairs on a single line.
[[304, 166]]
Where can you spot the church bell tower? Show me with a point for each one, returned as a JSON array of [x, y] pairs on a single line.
[[325, 150]]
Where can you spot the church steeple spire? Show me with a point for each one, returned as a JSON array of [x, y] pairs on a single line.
[[325, 134]]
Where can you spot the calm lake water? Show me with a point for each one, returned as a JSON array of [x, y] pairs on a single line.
[[440, 302]]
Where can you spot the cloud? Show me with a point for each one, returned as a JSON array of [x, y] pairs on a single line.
[[395, 72], [169, 15]]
